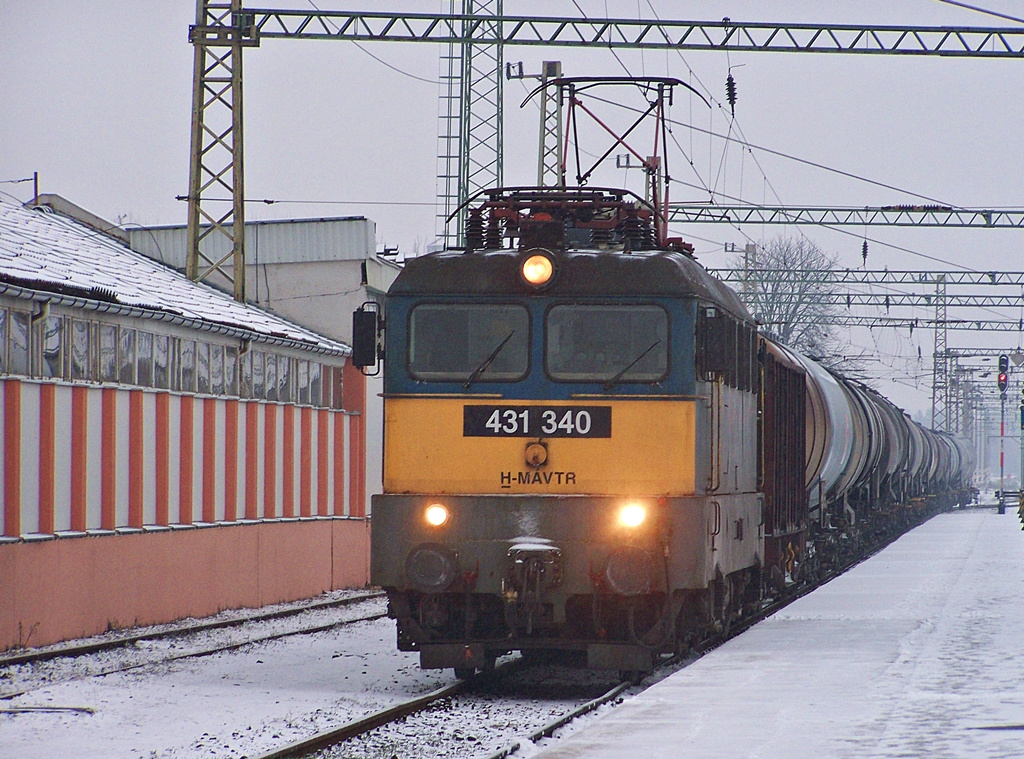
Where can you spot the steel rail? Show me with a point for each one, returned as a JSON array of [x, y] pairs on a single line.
[[355, 728], [861, 39], [710, 644], [199, 653], [548, 730], [93, 646], [358, 727]]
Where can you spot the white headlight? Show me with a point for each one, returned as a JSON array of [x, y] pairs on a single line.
[[537, 269], [632, 515], [436, 514]]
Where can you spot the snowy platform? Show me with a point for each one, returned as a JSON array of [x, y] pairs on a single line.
[[918, 652]]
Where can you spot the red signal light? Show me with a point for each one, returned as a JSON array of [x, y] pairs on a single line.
[[1002, 382]]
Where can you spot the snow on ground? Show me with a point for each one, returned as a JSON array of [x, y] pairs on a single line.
[[225, 705], [21, 677], [918, 652]]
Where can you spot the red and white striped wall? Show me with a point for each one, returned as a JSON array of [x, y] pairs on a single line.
[[80, 458]]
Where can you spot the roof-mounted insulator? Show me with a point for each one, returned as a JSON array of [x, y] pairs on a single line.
[[730, 93], [475, 230], [492, 237]]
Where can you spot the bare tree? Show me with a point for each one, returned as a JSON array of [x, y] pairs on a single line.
[[788, 294]]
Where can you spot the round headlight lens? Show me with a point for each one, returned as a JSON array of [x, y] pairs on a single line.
[[632, 515], [431, 568], [630, 571], [436, 514], [537, 269]]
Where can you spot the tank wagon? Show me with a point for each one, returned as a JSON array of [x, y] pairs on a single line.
[[590, 451]]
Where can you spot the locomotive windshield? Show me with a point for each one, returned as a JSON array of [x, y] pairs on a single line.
[[609, 344], [461, 342]]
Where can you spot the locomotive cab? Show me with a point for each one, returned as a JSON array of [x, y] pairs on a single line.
[[570, 441]]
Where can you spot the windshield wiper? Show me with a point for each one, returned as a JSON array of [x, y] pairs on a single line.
[[487, 361], [611, 383]]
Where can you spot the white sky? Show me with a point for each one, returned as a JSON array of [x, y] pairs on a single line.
[[96, 97]]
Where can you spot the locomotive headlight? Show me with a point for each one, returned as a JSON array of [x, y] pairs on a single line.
[[538, 269], [632, 515], [436, 515]]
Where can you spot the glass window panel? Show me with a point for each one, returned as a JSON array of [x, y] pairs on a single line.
[[259, 363], [144, 372], [217, 369], [327, 375], [126, 356], [52, 328], [80, 353], [316, 391], [245, 375], [454, 341], [302, 380], [108, 353], [285, 374], [174, 362], [336, 387], [605, 343], [188, 366], [202, 367], [231, 370], [18, 356], [161, 361], [270, 376]]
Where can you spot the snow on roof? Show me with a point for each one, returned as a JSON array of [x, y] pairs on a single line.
[[44, 251]]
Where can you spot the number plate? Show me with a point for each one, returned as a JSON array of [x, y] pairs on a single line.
[[537, 421]]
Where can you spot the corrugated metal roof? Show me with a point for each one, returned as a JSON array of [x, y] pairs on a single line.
[[350, 238], [44, 251]]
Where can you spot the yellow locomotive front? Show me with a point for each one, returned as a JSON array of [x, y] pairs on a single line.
[[554, 473]]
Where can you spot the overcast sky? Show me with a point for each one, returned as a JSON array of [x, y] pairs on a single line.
[[96, 97]]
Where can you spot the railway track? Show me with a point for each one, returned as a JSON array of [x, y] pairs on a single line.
[[486, 724], [332, 742], [460, 698], [355, 728], [87, 647]]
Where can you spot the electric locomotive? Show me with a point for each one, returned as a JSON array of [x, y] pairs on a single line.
[[571, 434]]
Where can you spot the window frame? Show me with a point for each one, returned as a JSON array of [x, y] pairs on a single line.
[[614, 304], [483, 377]]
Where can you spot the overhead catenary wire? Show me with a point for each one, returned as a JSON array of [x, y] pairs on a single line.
[[751, 147], [986, 11], [805, 161], [377, 58], [847, 232], [711, 190]]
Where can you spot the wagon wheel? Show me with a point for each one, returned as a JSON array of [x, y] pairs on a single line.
[[722, 603]]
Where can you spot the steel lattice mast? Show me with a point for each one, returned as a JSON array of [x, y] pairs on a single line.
[[874, 276], [471, 142], [940, 360], [839, 216], [216, 205], [223, 29], [858, 39], [947, 405]]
